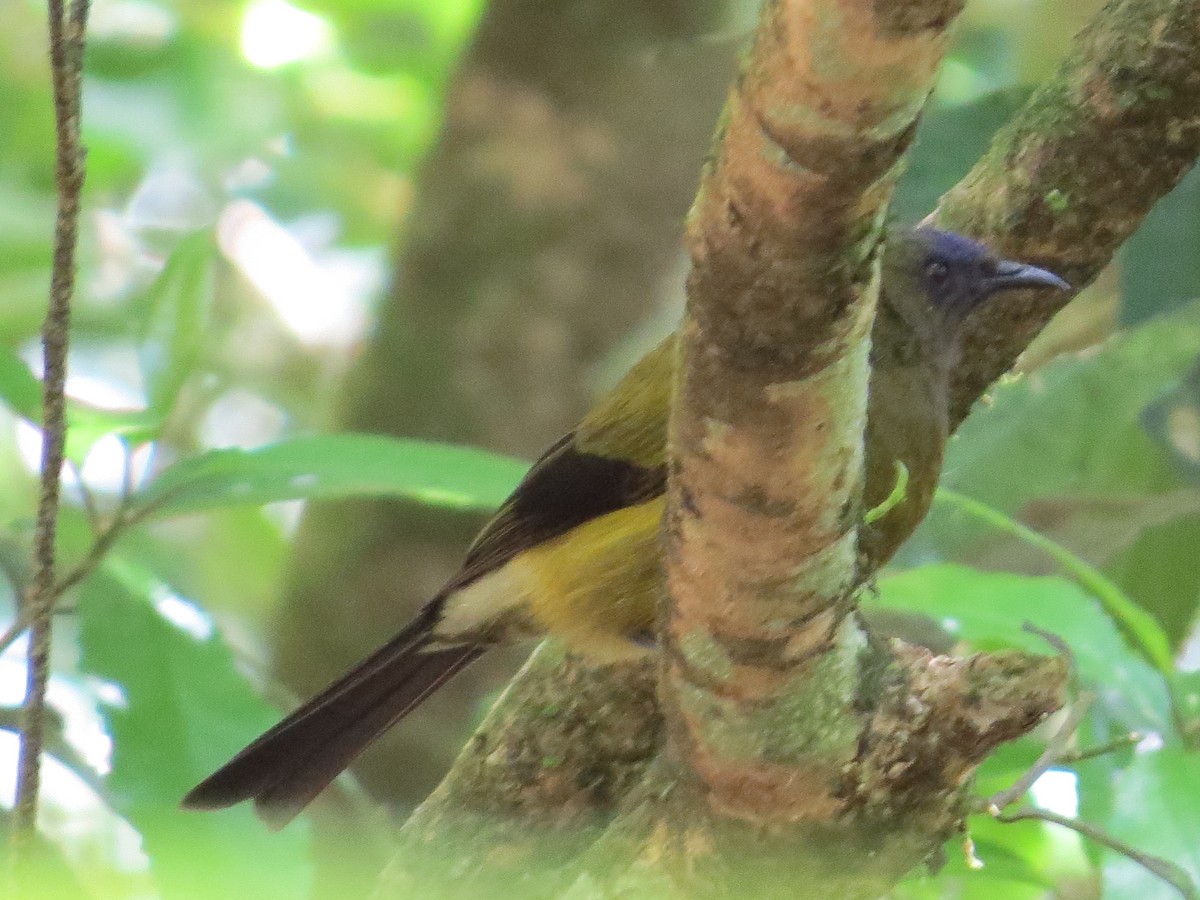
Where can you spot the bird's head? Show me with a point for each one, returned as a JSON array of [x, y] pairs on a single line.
[[933, 279]]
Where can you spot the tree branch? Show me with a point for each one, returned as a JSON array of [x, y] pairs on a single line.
[[66, 61], [761, 659], [1078, 169], [764, 673], [1063, 185], [1172, 874]]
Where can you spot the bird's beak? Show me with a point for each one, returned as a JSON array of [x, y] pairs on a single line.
[[1012, 275]]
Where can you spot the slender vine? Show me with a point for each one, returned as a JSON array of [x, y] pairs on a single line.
[[67, 26]]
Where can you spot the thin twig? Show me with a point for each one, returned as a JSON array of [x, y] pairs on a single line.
[[1056, 753], [107, 535], [130, 511], [1122, 743], [1051, 756], [15, 630], [1163, 868], [100, 546], [66, 64]]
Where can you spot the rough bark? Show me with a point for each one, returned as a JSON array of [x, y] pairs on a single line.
[[1063, 185], [1077, 170], [997, 201], [543, 224], [794, 744], [802, 759], [761, 657]]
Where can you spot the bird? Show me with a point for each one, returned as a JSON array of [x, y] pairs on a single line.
[[574, 551]]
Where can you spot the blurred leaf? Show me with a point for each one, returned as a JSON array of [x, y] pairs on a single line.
[[1110, 528], [47, 866], [186, 710], [20, 389], [981, 885], [1160, 572], [174, 317], [1071, 429], [1174, 421], [194, 558], [1187, 701], [26, 221], [1101, 526], [1159, 265], [1010, 856], [987, 611], [24, 305], [333, 466], [949, 142], [1157, 810], [1006, 764], [112, 164], [87, 424], [1138, 625]]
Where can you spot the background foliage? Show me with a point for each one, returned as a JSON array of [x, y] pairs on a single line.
[[250, 166]]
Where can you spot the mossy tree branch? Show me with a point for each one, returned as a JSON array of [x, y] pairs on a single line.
[[761, 656], [1063, 185], [801, 759], [781, 714], [1075, 172]]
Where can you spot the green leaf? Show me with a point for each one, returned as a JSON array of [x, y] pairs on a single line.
[[334, 466], [186, 710], [175, 315], [87, 424], [1187, 703], [1138, 625], [1158, 811], [1073, 426], [1160, 572], [1171, 232], [48, 867], [19, 388], [1011, 857], [21, 391], [949, 142], [988, 609], [1067, 448]]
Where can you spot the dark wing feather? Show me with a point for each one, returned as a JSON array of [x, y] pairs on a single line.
[[563, 489], [289, 765], [285, 768]]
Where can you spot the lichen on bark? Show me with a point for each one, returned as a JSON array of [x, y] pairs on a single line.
[[1078, 169], [1063, 185]]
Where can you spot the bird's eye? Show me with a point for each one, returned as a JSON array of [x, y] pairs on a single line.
[[936, 271]]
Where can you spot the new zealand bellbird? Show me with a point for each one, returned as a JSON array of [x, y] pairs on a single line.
[[574, 551]]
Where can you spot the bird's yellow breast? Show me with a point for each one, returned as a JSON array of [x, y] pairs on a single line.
[[597, 587]]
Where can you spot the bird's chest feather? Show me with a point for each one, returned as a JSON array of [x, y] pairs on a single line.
[[595, 587], [907, 422]]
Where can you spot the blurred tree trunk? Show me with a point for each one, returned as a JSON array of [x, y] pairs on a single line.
[[545, 225]]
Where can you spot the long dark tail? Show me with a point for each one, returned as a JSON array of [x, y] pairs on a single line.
[[285, 768]]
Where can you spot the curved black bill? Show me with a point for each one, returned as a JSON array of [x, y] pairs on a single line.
[[1012, 275]]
